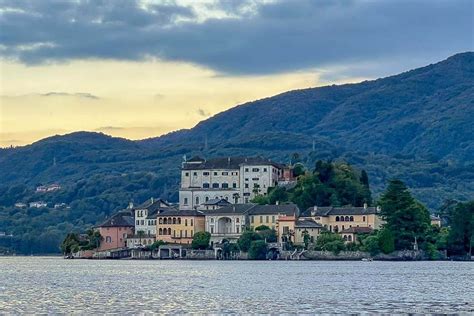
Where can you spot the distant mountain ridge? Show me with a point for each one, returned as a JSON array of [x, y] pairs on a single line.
[[416, 126]]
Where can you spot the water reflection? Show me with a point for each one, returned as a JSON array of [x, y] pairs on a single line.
[[54, 285]]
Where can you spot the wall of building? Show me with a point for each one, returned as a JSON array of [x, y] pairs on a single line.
[[263, 219], [330, 222], [114, 237], [187, 197], [182, 231], [225, 226]]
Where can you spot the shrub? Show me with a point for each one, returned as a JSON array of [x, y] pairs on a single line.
[[201, 240]]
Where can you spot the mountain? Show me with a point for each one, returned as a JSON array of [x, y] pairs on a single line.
[[416, 126]]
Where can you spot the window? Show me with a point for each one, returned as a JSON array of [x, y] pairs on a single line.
[[363, 218], [160, 231], [195, 174], [235, 173], [237, 220], [185, 233], [342, 218], [346, 219], [215, 173], [273, 218], [179, 220], [186, 174], [138, 222], [267, 219], [234, 185], [238, 229], [205, 173], [351, 218], [207, 198], [224, 173], [142, 222], [215, 185], [255, 179], [261, 219], [212, 229], [174, 220], [197, 199], [264, 169], [185, 201], [205, 185], [191, 222], [164, 221], [169, 231], [349, 237], [185, 222], [160, 221], [108, 239], [225, 185], [191, 233], [251, 219], [255, 170], [246, 179], [246, 185], [212, 220]]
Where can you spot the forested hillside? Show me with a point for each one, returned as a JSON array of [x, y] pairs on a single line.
[[416, 126]]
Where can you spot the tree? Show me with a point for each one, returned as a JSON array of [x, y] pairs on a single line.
[[261, 227], [372, 245], [461, 235], [267, 234], [298, 169], [328, 241], [405, 217], [258, 250], [156, 245], [306, 239], [140, 235], [386, 240], [245, 240], [201, 240], [70, 244]]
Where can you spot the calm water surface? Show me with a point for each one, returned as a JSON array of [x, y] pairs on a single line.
[[54, 285]]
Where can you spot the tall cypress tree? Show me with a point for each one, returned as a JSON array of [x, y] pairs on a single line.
[[406, 218]]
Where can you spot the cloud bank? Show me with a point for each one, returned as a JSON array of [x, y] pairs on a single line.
[[243, 37]]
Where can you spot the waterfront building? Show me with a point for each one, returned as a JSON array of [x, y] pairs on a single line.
[[268, 214], [227, 223], [337, 219], [293, 229], [146, 214], [138, 240], [235, 179], [350, 234], [179, 227], [115, 230]]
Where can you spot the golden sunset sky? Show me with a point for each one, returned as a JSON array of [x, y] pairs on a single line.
[[139, 69]]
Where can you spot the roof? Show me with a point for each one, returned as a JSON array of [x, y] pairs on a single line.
[[175, 212], [153, 213], [307, 223], [231, 209], [344, 210], [226, 163], [283, 209], [357, 230], [217, 202], [151, 203], [120, 219]]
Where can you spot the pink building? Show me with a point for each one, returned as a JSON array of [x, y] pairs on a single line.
[[114, 230]]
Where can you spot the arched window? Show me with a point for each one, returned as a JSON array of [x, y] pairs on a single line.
[[337, 218], [207, 198], [342, 227], [345, 238], [342, 218], [185, 222], [160, 221], [349, 237], [346, 219], [170, 220], [212, 220], [160, 231], [169, 231], [351, 218], [108, 239], [191, 222], [179, 220]]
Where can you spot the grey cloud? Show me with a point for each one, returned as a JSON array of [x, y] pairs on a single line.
[[203, 112], [84, 95], [278, 37]]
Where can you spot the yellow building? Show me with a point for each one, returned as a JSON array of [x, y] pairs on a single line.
[[350, 234], [337, 219], [435, 221], [293, 229], [268, 214], [179, 227]]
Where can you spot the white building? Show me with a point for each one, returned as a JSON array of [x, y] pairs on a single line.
[[228, 222], [146, 213], [235, 179], [38, 204]]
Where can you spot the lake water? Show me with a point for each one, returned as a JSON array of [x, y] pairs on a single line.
[[54, 285]]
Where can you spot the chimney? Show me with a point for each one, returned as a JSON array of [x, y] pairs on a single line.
[[228, 160], [378, 208], [130, 205], [315, 208], [277, 202], [365, 206], [151, 200]]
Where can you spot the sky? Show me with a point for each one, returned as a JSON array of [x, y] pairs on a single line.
[[140, 69]]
